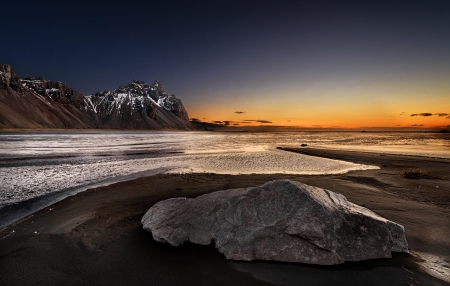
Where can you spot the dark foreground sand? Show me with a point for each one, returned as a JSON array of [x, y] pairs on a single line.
[[95, 237]]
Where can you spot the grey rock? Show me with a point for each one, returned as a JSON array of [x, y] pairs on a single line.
[[281, 220]]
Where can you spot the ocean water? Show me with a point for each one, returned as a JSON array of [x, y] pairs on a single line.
[[44, 167]]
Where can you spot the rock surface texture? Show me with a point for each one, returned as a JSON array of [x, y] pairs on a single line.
[[280, 220]]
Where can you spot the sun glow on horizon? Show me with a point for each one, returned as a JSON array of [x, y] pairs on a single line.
[[418, 103]]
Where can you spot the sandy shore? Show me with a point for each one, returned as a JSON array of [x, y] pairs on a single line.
[[95, 237]]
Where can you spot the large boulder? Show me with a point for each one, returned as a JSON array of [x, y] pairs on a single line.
[[281, 220]]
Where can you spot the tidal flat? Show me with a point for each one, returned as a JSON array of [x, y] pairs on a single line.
[[95, 236]]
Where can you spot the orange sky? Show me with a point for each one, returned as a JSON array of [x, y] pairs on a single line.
[[345, 103]]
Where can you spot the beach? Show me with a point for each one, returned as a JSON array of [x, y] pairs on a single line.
[[95, 237], [225, 143]]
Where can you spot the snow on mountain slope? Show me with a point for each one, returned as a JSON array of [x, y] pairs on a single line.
[[33, 102], [141, 96]]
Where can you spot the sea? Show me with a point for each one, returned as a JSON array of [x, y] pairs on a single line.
[[38, 168]]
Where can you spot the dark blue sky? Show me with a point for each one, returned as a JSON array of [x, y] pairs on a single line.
[[210, 49]]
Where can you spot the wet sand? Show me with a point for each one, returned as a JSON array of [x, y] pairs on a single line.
[[95, 237]]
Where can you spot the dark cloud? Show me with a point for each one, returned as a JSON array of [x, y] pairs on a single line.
[[235, 124], [259, 120], [448, 117], [402, 113], [442, 114], [398, 125], [239, 112], [224, 122], [289, 121], [416, 125], [207, 125], [426, 114]]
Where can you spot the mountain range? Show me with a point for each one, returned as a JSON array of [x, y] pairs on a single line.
[[37, 103]]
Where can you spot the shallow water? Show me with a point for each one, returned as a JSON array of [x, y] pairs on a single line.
[[34, 164]]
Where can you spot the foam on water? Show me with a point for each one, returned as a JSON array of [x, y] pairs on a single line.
[[25, 182], [37, 164], [270, 161]]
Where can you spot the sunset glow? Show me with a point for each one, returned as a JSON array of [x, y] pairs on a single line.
[[334, 105], [308, 64]]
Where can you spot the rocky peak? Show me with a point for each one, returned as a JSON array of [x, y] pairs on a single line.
[[141, 93], [55, 90], [8, 79], [157, 85], [39, 103]]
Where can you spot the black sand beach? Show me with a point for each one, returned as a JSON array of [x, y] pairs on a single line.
[[95, 237]]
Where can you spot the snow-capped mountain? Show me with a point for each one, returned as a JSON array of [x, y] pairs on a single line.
[[33, 102], [53, 90], [140, 95]]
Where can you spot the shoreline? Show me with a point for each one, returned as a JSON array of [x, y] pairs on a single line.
[[87, 238], [98, 129], [15, 213], [334, 153], [236, 129]]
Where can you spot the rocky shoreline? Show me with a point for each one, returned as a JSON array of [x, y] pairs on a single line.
[[86, 239]]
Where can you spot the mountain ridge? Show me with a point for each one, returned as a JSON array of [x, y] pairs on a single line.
[[37, 103]]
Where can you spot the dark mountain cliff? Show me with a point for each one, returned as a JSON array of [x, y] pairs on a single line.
[[33, 102]]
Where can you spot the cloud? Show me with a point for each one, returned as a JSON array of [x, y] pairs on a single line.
[[417, 125], [259, 120], [289, 121], [239, 112], [398, 125], [402, 113], [203, 124], [224, 122], [235, 124], [426, 114]]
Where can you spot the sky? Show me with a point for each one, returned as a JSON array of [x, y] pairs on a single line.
[[303, 64]]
